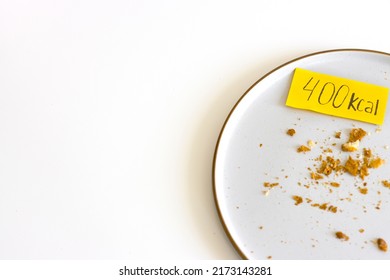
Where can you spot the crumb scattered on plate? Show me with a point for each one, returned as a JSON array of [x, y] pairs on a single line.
[[328, 171]]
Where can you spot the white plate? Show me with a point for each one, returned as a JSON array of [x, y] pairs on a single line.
[[271, 226]]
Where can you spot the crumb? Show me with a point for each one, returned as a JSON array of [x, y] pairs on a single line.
[[332, 209], [325, 207], [361, 230], [386, 183], [378, 129], [303, 149], [298, 199], [270, 185], [376, 162], [337, 135], [341, 235], [316, 176], [334, 184], [367, 153], [260, 145], [363, 172], [382, 245], [356, 134], [350, 146], [269, 257], [311, 143], [291, 132], [329, 165], [363, 190], [352, 166]]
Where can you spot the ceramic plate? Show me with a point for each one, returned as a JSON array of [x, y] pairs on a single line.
[[254, 150]]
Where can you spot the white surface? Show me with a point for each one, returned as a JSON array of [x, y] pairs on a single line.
[[110, 112], [271, 225]]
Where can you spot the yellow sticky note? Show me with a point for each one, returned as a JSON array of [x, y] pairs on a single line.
[[337, 96]]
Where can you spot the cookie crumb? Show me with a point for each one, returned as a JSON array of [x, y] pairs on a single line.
[[303, 149], [356, 134], [382, 245], [311, 143], [291, 131], [335, 184], [352, 166], [376, 162], [316, 176], [386, 183], [350, 146], [270, 185], [363, 190], [332, 209], [298, 200], [341, 235], [329, 165]]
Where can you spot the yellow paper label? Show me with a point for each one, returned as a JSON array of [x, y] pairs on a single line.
[[337, 96]]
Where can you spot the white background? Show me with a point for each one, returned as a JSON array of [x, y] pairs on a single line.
[[110, 112]]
